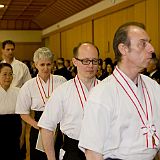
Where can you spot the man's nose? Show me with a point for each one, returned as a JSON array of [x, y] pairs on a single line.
[[150, 48]]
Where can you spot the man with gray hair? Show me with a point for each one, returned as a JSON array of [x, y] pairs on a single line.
[[121, 119]]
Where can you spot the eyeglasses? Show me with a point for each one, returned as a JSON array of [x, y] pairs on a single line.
[[88, 61]]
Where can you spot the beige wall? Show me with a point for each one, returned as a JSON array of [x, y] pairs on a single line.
[[21, 36], [26, 42]]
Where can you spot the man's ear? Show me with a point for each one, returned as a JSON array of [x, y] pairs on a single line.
[[123, 48], [74, 62]]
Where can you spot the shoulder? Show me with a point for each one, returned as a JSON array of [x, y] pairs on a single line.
[[66, 86], [105, 88], [14, 90], [17, 62], [30, 82], [150, 83], [147, 79], [58, 78]]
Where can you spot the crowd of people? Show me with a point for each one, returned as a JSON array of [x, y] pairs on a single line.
[[84, 108]]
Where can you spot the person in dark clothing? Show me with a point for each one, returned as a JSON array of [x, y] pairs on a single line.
[[62, 70], [153, 69], [107, 68]]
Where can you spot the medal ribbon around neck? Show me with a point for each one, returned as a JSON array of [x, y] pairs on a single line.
[[82, 93], [41, 89], [148, 128]]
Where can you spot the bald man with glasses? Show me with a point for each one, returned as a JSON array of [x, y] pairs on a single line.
[[66, 106]]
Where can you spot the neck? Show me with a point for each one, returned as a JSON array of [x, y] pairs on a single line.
[[8, 60], [131, 73], [87, 81], [44, 78], [5, 87]]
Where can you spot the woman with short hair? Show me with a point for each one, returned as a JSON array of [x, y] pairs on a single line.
[[35, 93]]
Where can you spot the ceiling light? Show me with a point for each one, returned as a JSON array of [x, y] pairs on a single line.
[[1, 6]]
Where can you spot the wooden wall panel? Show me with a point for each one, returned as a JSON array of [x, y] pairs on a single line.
[[102, 36], [54, 44], [45, 42], [25, 51], [140, 12], [152, 22], [63, 43], [73, 36], [117, 19], [86, 31], [105, 27], [106, 23]]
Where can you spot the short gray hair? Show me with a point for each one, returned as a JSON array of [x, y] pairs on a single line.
[[43, 53]]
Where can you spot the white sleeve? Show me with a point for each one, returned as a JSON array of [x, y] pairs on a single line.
[[26, 75], [23, 105], [53, 111], [93, 131]]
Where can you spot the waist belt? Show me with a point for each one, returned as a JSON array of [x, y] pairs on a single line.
[[37, 115], [70, 144]]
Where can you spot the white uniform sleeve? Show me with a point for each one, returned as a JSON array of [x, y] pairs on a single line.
[[53, 111], [24, 101], [94, 131], [26, 75]]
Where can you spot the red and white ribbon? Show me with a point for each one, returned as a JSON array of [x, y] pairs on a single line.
[[145, 113]]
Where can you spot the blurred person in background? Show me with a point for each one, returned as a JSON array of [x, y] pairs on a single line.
[[62, 70], [153, 68]]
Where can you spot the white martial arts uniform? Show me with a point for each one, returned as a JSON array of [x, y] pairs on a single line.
[[8, 100], [112, 125], [10, 124], [32, 95], [66, 106]]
